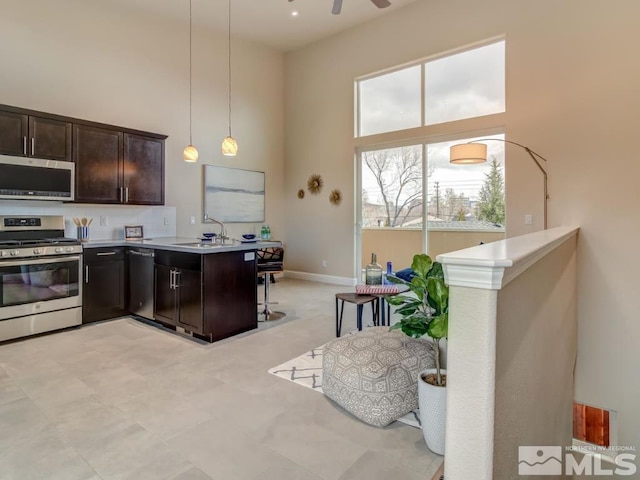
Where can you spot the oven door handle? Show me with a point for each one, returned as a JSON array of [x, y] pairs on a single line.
[[38, 261]]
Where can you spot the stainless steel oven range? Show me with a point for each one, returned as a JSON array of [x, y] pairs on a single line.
[[40, 276]]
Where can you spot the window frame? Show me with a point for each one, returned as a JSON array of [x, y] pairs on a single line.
[[475, 127]]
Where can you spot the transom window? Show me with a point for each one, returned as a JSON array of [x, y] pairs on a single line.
[[460, 86]]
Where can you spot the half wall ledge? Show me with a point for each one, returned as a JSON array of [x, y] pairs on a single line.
[[511, 351]]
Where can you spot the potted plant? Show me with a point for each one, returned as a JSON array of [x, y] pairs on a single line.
[[426, 312]]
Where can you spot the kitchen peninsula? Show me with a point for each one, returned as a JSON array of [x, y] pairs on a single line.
[[205, 289]]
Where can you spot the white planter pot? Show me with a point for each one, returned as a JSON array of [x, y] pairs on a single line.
[[433, 407]]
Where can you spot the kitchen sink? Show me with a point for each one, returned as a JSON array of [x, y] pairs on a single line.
[[202, 244]]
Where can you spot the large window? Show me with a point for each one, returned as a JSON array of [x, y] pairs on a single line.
[[412, 198], [459, 86]]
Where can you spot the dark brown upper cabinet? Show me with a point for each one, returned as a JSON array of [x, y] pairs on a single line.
[[143, 170], [97, 153], [27, 135], [117, 167]]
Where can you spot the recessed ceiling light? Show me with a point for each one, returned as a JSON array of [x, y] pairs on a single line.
[[294, 13]]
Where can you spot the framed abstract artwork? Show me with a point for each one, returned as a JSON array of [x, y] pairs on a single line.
[[233, 195]]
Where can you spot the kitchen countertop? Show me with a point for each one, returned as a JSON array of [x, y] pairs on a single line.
[[177, 244]]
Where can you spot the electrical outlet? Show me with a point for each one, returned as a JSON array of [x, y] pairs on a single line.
[[324, 264], [528, 219], [165, 221], [192, 220], [104, 221]]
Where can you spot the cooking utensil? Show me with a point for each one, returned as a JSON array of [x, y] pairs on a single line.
[[83, 220]]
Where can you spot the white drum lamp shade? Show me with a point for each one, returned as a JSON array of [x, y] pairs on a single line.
[[468, 153]]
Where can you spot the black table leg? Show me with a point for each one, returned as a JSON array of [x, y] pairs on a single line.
[[339, 319], [360, 317]]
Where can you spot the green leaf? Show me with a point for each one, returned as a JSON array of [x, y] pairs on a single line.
[[398, 280], [395, 326], [413, 330], [421, 264], [439, 326], [409, 308], [397, 300], [436, 271], [439, 293], [418, 287]]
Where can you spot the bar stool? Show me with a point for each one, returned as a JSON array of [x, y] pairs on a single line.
[[270, 261], [359, 301]]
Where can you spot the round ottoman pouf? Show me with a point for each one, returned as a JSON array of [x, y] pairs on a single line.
[[373, 374]]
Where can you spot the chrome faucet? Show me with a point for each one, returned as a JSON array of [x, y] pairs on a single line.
[[223, 231]]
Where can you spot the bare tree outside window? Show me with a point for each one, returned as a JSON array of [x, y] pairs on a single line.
[[398, 176]]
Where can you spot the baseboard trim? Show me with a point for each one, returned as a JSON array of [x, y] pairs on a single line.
[[316, 277]]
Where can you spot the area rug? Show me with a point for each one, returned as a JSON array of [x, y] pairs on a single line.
[[306, 370]]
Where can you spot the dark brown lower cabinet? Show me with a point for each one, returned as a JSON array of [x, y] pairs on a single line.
[[104, 284], [230, 302], [178, 295], [213, 296]]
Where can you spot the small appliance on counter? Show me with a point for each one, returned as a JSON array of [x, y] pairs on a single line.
[[40, 276]]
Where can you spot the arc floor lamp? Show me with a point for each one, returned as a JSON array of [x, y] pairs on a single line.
[[476, 152]]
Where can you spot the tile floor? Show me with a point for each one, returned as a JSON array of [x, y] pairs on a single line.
[[126, 400]]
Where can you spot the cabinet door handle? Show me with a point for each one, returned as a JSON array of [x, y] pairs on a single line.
[[24, 145], [172, 282], [126, 194], [105, 254], [178, 277], [120, 194], [86, 274], [33, 146]]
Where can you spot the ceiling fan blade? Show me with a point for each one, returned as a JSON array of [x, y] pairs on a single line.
[[337, 7], [381, 3]]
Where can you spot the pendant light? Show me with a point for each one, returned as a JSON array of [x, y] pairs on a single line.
[[229, 144], [190, 153]]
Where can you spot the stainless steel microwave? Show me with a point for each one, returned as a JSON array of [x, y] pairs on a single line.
[[24, 178]]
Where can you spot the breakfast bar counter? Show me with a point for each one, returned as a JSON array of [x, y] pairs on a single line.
[[184, 244], [206, 290]]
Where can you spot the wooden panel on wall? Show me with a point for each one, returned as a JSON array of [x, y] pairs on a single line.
[[591, 424]]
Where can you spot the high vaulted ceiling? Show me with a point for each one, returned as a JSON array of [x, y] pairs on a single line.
[[270, 21]]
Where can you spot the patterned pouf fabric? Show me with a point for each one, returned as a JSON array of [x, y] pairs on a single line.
[[373, 374]]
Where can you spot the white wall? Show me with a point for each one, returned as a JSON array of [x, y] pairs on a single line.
[[572, 95], [102, 62]]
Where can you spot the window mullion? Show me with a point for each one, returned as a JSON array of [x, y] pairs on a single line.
[[423, 92]]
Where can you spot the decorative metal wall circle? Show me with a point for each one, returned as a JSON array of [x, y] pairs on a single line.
[[335, 197], [315, 184], [301, 194]]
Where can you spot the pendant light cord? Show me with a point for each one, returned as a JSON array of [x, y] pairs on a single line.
[[190, 79], [229, 67]]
